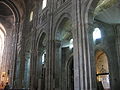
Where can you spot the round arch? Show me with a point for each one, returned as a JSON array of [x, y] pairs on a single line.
[[13, 8], [41, 35], [41, 40], [91, 11], [59, 21], [41, 60], [63, 36], [90, 20], [64, 26]]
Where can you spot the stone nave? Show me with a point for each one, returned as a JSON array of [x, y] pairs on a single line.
[[60, 44]]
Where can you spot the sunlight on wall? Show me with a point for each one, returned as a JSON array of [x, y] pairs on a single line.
[[2, 35], [1, 41]]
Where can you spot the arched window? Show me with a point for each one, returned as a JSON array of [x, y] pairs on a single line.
[[43, 57], [71, 44], [96, 34], [31, 16], [44, 3]]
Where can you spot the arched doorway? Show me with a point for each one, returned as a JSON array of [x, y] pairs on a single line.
[[63, 48], [41, 62], [27, 64], [102, 70]]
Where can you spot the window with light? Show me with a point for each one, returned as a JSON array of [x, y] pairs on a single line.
[[44, 4], [96, 34], [31, 16]]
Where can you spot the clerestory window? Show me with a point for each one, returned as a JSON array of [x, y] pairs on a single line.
[[31, 16], [44, 4], [96, 34]]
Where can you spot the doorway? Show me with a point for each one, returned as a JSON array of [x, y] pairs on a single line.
[[102, 71]]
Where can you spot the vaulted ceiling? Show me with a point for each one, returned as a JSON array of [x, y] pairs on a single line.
[[104, 4], [108, 11], [7, 14]]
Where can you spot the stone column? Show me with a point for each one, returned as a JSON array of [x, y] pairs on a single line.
[[117, 32], [51, 49], [117, 38], [22, 67], [82, 60], [92, 55], [57, 64], [15, 54], [18, 79], [33, 62]]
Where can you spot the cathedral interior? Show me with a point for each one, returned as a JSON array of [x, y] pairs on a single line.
[[60, 44]]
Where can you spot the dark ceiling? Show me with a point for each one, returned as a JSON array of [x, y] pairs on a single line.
[[5, 10]]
